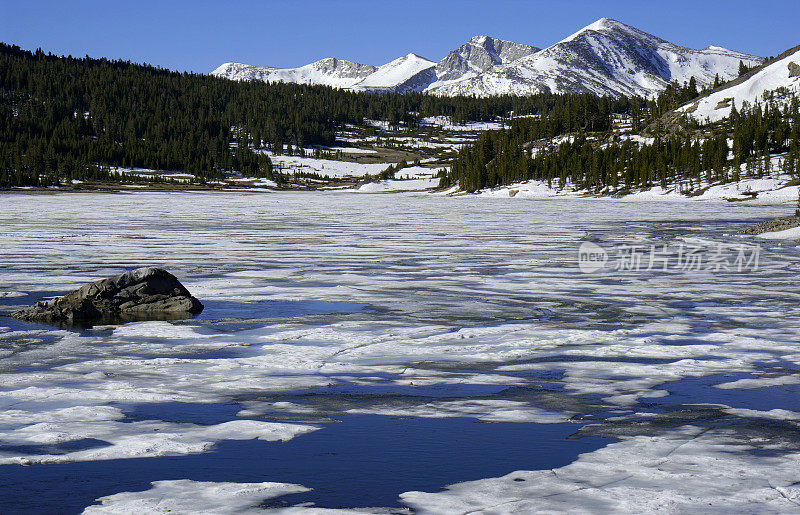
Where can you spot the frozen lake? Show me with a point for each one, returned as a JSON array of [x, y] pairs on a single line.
[[403, 351]]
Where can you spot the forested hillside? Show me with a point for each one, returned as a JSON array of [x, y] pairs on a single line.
[[591, 156], [65, 118]]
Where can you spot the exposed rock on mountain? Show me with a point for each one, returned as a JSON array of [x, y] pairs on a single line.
[[478, 55], [604, 58]]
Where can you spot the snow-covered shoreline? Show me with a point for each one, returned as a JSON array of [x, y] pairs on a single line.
[[773, 190], [776, 189]]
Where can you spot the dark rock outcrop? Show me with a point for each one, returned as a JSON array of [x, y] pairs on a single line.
[[778, 224], [141, 294]]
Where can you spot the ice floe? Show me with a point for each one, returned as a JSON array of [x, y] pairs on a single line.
[[686, 470], [185, 496], [117, 439]]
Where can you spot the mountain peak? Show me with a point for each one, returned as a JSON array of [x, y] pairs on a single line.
[[410, 72], [479, 40], [606, 57], [478, 55], [605, 23], [415, 57], [610, 25], [492, 42]]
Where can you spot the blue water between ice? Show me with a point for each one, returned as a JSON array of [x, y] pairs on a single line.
[[230, 310], [701, 390], [359, 461]]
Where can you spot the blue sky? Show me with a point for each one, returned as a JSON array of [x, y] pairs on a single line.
[[200, 35]]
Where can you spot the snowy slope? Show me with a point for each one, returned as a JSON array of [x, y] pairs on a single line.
[[783, 73], [604, 58], [408, 73], [333, 72]]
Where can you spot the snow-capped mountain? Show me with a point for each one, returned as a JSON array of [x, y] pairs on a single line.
[[408, 73], [478, 55], [780, 78], [337, 73], [604, 58], [405, 74]]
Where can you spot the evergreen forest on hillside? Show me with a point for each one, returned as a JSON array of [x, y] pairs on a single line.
[[64, 118], [607, 161]]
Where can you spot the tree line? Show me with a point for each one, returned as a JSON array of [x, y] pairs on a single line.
[[64, 118]]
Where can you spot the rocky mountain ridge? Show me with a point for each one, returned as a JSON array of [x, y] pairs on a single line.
[[607, 57]]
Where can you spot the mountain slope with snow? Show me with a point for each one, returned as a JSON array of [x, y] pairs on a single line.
[[604, 58], [779, 79], [405, 74], [337, 73]]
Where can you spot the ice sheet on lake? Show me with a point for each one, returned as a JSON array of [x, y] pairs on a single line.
[[773, 414], [485, 410], [462, 292]]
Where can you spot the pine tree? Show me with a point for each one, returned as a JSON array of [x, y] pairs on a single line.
[[743, 68]]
